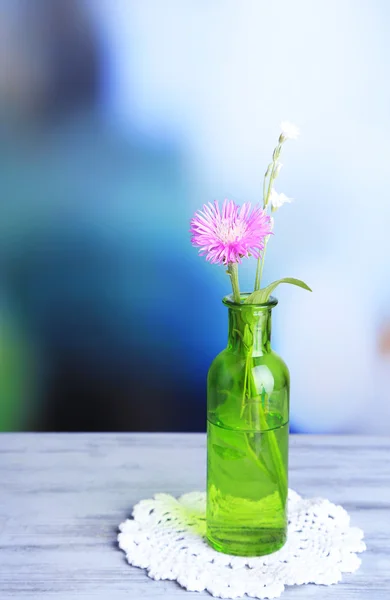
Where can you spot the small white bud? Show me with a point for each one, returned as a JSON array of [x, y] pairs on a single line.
[[277, 200], [289, 131]]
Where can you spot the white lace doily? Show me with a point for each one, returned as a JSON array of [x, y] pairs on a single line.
[[166, 537]]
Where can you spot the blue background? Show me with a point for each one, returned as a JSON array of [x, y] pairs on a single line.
[[120, 119]]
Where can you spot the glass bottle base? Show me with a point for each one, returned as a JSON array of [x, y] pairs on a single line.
[[247, 542]]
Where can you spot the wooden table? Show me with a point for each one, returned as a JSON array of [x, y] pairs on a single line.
[[62, 497]]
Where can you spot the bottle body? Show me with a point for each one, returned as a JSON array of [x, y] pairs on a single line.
[[247, 438]]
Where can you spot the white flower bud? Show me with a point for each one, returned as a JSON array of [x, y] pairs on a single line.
[[289, 131], [277, 200]]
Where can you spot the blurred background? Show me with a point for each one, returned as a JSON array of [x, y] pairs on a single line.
[[118, 119]]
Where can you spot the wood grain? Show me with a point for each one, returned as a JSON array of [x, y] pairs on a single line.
[[62, 497]]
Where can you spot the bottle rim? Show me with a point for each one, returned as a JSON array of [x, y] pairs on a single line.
[[230, 303]]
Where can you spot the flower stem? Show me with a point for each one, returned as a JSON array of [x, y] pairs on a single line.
[[266, 195], [271, 177], [259, 271], [260, 266], [279, 474], [232, 271]]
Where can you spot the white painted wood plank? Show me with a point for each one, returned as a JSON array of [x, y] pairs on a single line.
[[62, 497]]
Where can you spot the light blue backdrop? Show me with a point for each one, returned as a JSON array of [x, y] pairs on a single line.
[[219, 76]]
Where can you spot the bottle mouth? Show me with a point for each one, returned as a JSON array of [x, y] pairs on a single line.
[[230, 303]]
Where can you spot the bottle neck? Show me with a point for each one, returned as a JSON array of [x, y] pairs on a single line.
[[250, 330]]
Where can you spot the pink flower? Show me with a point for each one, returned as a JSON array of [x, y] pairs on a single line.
[[231, 233]]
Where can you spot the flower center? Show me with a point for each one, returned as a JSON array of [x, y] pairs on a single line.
[[230, 232]]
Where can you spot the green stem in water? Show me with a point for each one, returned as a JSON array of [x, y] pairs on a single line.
[[245, 405], [276, 457], [244, 391], [252, 403], [232, 271]]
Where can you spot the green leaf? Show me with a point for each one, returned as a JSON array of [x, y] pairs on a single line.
[[247, 338], [228, 452], [262, 296]]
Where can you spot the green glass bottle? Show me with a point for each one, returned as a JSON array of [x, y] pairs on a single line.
[[247, 437]]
